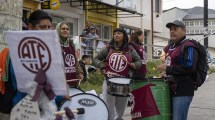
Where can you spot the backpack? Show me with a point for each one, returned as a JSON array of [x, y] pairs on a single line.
[[202, 65]]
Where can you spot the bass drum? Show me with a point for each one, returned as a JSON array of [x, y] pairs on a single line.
[[95, 108], [74, 91]]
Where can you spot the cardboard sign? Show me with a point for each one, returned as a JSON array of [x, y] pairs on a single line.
[[34, 50], [25, 110]]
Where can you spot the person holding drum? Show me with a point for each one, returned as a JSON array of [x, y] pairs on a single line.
[[180, 67], [116, 60], [136, 42], [73, 70]]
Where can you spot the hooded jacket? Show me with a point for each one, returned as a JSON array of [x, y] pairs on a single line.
[[68, 41]]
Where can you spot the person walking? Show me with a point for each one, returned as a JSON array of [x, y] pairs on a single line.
[[137, 43], [116, 60], [180, 68]]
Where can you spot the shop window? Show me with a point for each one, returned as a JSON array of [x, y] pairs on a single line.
[[71, 28], [99, 30], [103, 31], [107, 32]]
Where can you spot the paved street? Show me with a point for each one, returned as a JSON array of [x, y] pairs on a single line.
[[203, 104]]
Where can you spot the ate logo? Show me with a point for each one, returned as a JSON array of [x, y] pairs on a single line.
[[117, 62], [34, 54], [70, 60], [168, 61]]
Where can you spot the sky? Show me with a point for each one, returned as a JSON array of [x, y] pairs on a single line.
[[167, 4]]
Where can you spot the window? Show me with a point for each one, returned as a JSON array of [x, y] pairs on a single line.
[[71, 29], [201, 23], [103, 31], [191, 31], [187, 23], [196, 31], [191, 23], [213, 22], [56, 20], [107, 32], [209, 31], [188, 32], [196, 23], [99, 30], [209, 22], [202, 31]]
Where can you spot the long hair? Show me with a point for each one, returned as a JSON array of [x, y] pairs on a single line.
[[125, 39], [134, 36]]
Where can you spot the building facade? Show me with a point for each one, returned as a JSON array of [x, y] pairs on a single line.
[[194, 21], [11, 18]]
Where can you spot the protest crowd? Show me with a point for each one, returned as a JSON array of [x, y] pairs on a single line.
[[41, 72]]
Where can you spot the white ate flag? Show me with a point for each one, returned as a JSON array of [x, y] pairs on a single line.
[[33, 50]]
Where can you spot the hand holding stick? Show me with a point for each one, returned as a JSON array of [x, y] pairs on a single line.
[[78, 111]]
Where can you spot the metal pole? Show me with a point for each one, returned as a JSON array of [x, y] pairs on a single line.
[[152, 23], [206, 23]]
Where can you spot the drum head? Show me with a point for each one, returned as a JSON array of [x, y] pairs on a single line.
[[74, 91], [95, 108], [120, 80]]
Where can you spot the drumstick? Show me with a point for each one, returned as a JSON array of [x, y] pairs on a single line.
[[71, 80], [124, 59], [78, 111]]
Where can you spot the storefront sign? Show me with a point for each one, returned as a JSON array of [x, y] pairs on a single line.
[[45, 5], [53, 4]]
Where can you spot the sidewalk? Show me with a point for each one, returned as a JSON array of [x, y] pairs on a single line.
[[203, 104]]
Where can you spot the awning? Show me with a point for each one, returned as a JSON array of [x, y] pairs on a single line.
[[102, 8]]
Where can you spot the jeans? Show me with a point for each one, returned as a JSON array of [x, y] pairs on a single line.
[[180, 107]]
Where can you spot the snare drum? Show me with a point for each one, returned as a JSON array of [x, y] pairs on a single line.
[[94, 107], [118, 87]]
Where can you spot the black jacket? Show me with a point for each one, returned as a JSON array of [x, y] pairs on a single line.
[[182, 74], [81, 63]]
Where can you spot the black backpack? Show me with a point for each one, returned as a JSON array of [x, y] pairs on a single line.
[[202, 64]]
